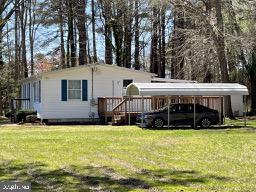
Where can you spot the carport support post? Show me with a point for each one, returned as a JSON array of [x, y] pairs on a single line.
[[224, 111], [245, 109], [168, 112], [194, 112], [129, 112], [220, 111], [142, 111]]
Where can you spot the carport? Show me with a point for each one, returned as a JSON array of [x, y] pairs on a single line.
[[187, 89]]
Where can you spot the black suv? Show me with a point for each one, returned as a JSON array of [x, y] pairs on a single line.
[[181, 114]]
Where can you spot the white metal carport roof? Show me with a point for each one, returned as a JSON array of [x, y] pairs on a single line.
[[183, 89]]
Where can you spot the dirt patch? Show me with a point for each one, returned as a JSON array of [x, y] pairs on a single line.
[[9, 125], [31, 124]]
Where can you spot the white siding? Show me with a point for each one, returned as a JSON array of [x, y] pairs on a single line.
[[237, 104], [107, 82]]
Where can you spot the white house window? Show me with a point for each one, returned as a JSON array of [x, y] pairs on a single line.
[[74, 89], [127, 82], [37, 91]]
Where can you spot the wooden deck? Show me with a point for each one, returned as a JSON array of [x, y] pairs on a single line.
[[123, 109]]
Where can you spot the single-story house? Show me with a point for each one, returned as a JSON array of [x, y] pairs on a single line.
[[73, 93], [86, 92]]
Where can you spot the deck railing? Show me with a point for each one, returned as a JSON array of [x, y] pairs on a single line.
[[110, 105], [106, 105], [133, 105]]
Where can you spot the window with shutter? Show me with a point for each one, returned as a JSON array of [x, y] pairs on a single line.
[[74, 90]]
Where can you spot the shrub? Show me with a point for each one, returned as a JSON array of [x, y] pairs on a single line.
[[8, 113], [31, 119], [22, 114]]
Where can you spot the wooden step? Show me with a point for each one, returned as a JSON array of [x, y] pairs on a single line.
[[118, 119]]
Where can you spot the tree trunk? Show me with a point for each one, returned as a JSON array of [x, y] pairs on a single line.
[[251, 68], [161, 72], [137, 37], [220, 48], [108, 45], [95, 57], [62, 43], [127, 51], [107, 14], [174, 68], [68, 51], [251, 71], [1, 62], [88, 49], [71, 39], [117, 26], [31, 35], [178, 39], [206, 67], [253, 89], [68, 36], [81, 19], [237, 32], [1, 43], [154, 43], [1, 104], [23, 23], [16, 42]]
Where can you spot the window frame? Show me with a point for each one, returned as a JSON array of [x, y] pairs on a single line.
[[81, 96]]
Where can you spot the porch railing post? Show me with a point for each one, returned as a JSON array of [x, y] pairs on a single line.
[[245, 109], [129, 113], [220, 111], [194, 112], [142, 111], [169, 112]]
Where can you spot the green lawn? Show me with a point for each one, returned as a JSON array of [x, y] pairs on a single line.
[[241, 122], [106, 158]]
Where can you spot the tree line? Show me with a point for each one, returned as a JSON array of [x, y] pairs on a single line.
[[203, 40]]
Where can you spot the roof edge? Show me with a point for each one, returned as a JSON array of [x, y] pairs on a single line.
[[84, 66]]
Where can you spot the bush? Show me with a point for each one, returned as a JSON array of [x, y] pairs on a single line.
[[31, 119], [22, 114], [8, 113]]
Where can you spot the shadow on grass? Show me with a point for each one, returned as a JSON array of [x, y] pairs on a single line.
[[99, 178]]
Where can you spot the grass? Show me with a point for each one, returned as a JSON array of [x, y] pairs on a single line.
[[106, 158], [241, 122], [4, 120]]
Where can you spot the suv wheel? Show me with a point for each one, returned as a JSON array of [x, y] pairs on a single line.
[[158, 123], [205, 123]]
